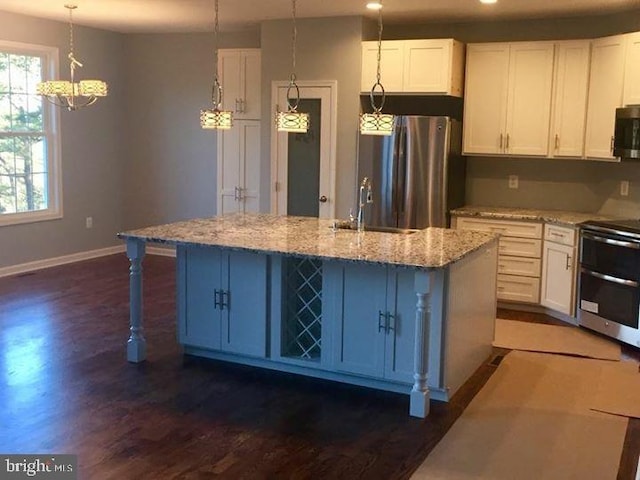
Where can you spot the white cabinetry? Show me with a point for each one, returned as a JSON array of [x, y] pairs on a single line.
[[631, 94], [240, 75], [570, 98], [415, 66], [508, 98], [605, 95], [373, 310], [559, 269], [519, 256], [239, 168], [222, 300]]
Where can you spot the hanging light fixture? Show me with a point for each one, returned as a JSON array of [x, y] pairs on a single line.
[[69, 94], [216, 118], [377, 123], [293, 121]]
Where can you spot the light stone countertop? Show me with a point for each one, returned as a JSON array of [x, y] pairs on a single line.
[[312, 237], [549, 216]]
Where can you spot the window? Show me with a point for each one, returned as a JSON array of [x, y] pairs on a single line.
[[29, 141]]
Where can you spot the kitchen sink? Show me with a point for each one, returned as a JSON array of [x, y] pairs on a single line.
[[367, 228]]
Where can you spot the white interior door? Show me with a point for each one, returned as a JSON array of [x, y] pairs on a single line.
[[303, 165]]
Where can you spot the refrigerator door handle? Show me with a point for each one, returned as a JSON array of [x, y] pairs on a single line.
[[401, 168]]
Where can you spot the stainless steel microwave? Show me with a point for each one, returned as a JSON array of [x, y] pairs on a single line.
[[626, 143]]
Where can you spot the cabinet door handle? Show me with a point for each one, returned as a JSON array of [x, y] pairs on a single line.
[[612, 144], [382, 321], [225, 299], [391, 323], [243, 105], [557, 141], [501, 141], [507, 143], [216, 299], [569, 262]]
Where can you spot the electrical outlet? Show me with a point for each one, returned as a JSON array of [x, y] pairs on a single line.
[[89, 222], [624, 188], [513, 181]]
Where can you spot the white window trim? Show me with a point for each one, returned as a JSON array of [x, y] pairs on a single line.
[[50, 70]]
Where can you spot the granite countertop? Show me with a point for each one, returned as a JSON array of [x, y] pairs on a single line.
[[548, 216], [312, 237]]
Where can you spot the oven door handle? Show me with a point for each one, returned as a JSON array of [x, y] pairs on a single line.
[[609, 278], [611, 241]]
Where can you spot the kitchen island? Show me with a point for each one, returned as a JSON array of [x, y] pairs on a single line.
[[410, 313]]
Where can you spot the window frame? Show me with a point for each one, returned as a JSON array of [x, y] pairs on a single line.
[[51, 131]]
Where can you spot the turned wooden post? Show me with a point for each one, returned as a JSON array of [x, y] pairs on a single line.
[[419, 399], [136, 345]]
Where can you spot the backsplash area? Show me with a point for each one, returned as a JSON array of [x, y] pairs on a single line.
[[553, 184]]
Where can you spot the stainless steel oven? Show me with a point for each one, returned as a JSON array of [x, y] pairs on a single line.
[[609, 285]]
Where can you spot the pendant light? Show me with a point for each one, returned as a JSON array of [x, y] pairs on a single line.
[[377, 123], [69, 94], [293, 121], [216, 118]]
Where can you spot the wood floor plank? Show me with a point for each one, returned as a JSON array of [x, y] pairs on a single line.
[[66, 387]]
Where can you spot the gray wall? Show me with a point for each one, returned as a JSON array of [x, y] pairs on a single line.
[[327, 49], [93, 156], [580, 185], [171, 169]]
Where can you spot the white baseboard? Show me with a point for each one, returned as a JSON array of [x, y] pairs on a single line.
[[78, 257], [54, 262], [168, 251]]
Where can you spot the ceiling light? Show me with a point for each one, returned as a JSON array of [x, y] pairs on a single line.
[[488, 1], [293, 121], [66, 93], [374, 5], [377, 123], [215, 118]]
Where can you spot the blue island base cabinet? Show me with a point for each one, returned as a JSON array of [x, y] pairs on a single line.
[[422, 332], [222, 300]]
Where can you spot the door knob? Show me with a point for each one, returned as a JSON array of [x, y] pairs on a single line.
[[323, 199]]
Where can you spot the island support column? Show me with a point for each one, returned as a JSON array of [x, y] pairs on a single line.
[[419, 399], [136, 345]]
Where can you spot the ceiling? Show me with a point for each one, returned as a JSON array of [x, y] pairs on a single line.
[[131, 16]]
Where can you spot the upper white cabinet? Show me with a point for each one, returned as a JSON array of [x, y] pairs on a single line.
[[569, 107], [415, 66], [239, 168], [240, 75], [605, 95], [631, 94], [508, 98]]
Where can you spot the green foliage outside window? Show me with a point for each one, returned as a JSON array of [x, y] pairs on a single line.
[[23, 146]]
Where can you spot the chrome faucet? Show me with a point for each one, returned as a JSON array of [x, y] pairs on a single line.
[[362, 201]]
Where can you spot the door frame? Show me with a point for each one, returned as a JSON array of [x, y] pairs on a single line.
[[328, 146]]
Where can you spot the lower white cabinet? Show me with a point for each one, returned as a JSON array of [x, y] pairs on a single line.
[[373, 310], [222, 300], [559, 270], [519, 256]]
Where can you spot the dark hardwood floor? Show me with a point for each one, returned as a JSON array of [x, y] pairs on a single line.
[[65, 387]]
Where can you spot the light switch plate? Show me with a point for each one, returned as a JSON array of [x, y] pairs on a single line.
[[513, 181]]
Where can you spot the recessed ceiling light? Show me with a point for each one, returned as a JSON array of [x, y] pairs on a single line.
[[374, 5], [488, 1]]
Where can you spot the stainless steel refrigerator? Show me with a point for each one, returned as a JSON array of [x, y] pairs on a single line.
[[417, 174]]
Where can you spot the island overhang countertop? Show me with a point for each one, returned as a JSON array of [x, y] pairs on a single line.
[[313, 237]]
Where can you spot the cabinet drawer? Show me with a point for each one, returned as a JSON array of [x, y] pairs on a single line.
[[563, 235], [503, 227], [528, 267], [514, 288], [520, 247]]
